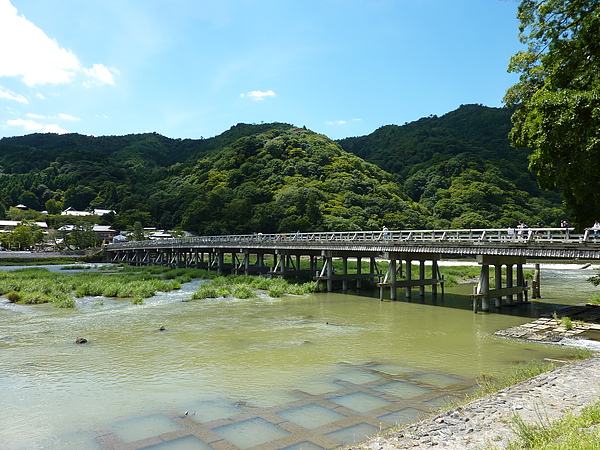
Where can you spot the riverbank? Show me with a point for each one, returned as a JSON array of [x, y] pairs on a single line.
[[28, 258], [488, 422]]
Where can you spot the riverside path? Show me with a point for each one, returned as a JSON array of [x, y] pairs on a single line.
[[312, 255]]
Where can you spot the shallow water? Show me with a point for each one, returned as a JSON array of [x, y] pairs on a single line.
[[217, 356]]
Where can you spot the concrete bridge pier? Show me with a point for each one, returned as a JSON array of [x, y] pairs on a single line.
[[482, 291]]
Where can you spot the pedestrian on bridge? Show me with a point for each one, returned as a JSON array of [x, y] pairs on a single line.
[[596, 227]]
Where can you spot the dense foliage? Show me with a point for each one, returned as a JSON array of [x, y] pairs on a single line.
[[462, 169], [454, 171], [557, 98]]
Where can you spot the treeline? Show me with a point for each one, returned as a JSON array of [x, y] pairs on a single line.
[[454, 171]]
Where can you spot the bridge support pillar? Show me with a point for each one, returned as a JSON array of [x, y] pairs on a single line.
[[408, 277], [483, 292], [535, 289], [220, 261], [329, 264], [328, 275], [358, 272], [345, 274], [498, 283], [394, 272], [509, 283]]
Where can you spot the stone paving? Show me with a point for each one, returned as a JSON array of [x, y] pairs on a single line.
[[362, 402], [486, 423], [551, 329]]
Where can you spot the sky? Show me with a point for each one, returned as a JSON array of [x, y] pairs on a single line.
[[194, 68]]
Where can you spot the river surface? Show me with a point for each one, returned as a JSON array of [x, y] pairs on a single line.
[[224, 357]]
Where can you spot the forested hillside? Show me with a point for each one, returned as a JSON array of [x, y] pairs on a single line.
[[454, 171], [462, 168], [245, 180]]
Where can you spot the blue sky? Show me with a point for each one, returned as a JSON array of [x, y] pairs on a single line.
[[194, 68]]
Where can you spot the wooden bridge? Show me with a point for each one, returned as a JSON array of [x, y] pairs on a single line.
[[311, 255]]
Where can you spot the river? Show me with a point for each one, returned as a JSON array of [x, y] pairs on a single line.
[[311, 371]]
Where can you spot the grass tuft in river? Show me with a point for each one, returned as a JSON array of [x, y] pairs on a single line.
[[248, 286]]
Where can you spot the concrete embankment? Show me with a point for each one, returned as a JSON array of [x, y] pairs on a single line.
[[487, 422]]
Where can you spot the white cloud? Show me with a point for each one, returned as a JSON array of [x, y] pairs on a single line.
[[27, 52], [10, 95], [53, 128], [68, 117], [341, 122], [99, 75], [27, 125], [258, 95], [32, 126]]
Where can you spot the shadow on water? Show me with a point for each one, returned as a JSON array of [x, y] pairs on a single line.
[[459, 298]]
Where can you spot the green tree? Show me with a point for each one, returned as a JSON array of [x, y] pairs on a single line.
[[82, 235], [557, 99], [18, 214], [30, 200], [138, 231], [25, 235], [53, 206]]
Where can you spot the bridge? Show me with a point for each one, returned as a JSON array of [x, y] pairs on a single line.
[[312, 255]]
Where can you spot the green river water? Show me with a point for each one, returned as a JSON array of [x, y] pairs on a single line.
[[222, 357]]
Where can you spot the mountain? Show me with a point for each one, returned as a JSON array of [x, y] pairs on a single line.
[[252, 178], [457, 170], [462, 168]]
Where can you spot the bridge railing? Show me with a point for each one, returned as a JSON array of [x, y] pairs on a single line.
[[518, 236]]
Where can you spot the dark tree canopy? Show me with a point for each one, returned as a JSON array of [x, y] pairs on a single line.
[[557, 99]]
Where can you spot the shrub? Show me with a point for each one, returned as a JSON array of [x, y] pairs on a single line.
[[13, 296], [35, 298], [243, 291], [205, 291], [567, 323], [64, 301], [276, 291], [595, 299]]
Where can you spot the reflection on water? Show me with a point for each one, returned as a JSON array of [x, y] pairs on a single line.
[[325, 354]]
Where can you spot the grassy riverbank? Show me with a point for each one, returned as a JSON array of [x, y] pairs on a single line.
[[38, 285], [572, 432], [35, 285], [579, 431]]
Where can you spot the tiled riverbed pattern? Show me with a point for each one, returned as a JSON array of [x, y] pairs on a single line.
[[359, 402]]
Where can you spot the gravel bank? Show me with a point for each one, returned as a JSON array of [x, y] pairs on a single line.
[[486, 422]]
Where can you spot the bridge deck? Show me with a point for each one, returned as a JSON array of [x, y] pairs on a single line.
[[529, 242]]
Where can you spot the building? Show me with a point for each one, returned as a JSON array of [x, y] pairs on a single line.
[[105, 232], [70, 211], [9, 225]]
